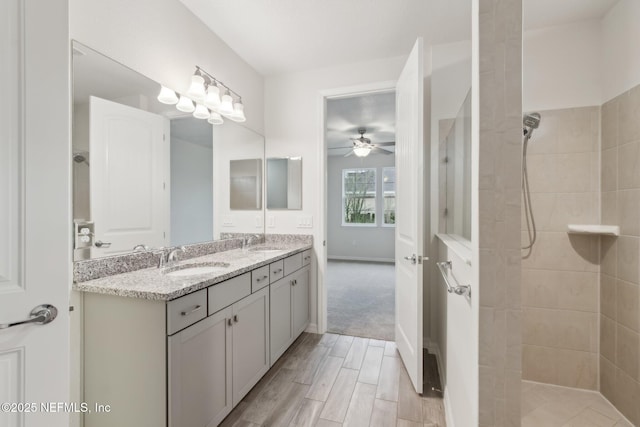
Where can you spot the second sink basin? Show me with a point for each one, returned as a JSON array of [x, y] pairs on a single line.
[[196, 269]]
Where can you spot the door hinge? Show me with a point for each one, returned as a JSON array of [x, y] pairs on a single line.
[[164, 234], [446, 212], [163, 137], [164, 185]]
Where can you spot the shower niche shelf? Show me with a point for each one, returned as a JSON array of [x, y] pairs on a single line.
[[602, 230]]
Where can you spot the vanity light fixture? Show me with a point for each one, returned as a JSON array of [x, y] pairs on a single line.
[[204, 92], [201, 112], [196, 89], [185, 104], [226, 106], [362, 150], [215, 118], [167, 96]]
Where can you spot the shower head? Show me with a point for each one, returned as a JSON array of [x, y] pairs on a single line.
[[530, 121]]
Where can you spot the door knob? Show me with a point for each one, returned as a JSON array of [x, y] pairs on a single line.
[[412, 258], [101, 244], [41, 315]]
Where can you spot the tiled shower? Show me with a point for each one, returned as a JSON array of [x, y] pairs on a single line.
[[581, 292]]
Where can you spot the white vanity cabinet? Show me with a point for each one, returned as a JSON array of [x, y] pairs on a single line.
[[189, 361], [289, 308], [214, 363]]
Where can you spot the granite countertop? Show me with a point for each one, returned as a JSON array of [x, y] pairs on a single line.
[[153, 284]]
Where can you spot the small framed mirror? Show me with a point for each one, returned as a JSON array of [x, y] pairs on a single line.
[[284, 183]]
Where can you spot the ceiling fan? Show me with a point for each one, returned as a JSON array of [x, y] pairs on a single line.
[[362, 146]]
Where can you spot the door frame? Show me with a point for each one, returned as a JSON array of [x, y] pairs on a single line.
[[321, 236]]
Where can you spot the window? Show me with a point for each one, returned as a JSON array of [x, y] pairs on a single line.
[[389, 196], [359, 197]]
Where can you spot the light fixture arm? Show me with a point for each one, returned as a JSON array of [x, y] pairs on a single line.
[[219, 82]]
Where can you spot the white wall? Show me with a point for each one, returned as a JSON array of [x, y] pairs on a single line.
[[562, 66], [293, 128], [357, 243], [621, 49], [163, 40], [191, 192]]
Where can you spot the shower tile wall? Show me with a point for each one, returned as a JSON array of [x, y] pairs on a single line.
[[500, 99], [560, 278], [620, 266]]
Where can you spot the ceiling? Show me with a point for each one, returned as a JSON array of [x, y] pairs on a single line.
[[375, 112], [280, 36], [548, 13]]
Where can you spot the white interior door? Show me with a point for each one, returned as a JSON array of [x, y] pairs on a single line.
[[35, 214], [409, 214], [129, 152]]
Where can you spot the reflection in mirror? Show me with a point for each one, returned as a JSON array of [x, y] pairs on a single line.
[[245, 184], [143, 172], [284, 183], [456, 169]]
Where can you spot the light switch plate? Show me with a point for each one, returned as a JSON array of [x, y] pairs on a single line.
[[305, 221]]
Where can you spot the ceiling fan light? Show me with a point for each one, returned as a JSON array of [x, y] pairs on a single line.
[[362, 150], [185, 104], [215, 118], [226, 106], [196, 90], [167, 96], [201, 112]]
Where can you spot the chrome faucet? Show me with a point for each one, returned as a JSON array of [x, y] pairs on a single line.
[[141, 248], [247, 241], [171, 257]]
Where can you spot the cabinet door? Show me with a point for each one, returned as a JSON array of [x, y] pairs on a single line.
[[200, 372], [280, 313], [300, 301], [250, 342]]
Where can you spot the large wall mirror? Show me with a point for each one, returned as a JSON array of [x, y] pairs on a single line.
[[146, 175]]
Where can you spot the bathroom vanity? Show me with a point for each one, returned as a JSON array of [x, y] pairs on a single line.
[[179, 349]]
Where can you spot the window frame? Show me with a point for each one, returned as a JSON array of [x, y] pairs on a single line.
[[375, 197], [382, 222]]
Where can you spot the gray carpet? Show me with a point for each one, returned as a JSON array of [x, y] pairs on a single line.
[[361, 299]]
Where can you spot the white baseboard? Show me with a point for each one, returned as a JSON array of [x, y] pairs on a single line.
[[312, 328], [356, 258]]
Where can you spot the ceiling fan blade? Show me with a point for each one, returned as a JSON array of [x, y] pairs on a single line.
[[379, 150], [340, 148], [350, 153], [385, 144]]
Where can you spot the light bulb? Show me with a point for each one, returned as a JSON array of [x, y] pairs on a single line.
[[167, 96], [201, 112], [196, 90], [226, 106], [213, 97], [185, 104], [215, 119], [238, 112], [362, 151]]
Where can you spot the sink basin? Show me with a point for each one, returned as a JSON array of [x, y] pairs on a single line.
[[197, 269], [265, 249]]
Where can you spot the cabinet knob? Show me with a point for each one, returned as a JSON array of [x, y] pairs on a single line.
[[235, 318], [230, 322]]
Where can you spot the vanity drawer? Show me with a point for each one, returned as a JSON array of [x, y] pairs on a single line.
[[259, 278], [306, 257], [292, 263], [277, 270], [226, 293], [186, 311]]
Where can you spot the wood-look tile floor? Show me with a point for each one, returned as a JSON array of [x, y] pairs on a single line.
[[552, 406], [332, 380]]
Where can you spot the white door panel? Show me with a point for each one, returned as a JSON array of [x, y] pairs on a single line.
[[35, 215], [409, 214], [129, 151]]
